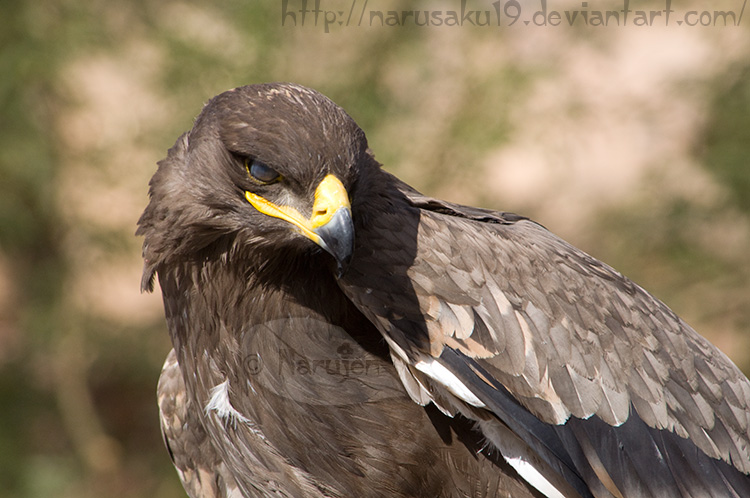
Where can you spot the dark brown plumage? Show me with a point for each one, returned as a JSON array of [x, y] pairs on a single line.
[[336, 333]]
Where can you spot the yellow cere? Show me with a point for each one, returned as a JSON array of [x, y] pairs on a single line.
[[330, 196]]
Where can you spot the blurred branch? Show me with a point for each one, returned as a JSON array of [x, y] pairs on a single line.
[[97, 450]]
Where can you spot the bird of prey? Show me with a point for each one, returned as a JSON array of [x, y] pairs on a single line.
[[337, 333]]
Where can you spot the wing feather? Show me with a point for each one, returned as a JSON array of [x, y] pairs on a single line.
[[566, 336], [202, 471]]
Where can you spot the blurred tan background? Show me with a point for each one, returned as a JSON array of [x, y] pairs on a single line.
[[630, 142]]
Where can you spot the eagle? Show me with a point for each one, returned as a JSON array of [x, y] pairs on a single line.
[[336, 333]]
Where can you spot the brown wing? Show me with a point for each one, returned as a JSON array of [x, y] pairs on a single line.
[[221, 456], [602, 381], [202, 472]]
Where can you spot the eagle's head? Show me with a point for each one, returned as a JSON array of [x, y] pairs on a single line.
[[270, 167]]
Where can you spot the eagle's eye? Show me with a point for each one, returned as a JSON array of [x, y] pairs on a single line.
[[261, 172]]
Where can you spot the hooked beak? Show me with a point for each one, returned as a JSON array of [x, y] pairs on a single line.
[[337, 237], [330, 226]]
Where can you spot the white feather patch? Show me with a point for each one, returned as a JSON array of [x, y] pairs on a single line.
[[533, 477], [219, 403], [436, 371], [416, 391]]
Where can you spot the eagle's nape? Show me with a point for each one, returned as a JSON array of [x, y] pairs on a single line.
[[539, 368]]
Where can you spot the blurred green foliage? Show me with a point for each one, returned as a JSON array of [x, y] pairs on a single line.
[[726, 145], [29, 233]]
